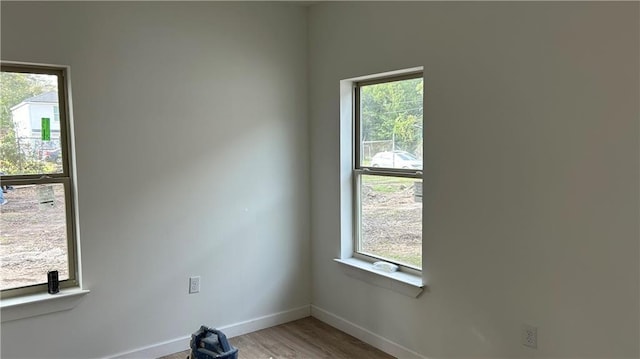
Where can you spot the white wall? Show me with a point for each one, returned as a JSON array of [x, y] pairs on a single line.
[[531, 183], [192, 158], [531, 193]]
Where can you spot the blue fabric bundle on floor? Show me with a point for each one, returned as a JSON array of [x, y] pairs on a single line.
[[208, 343]]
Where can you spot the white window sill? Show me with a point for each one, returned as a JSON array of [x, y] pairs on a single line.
[[401, 282], [40, 304]]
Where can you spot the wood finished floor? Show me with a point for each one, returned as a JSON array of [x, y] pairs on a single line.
[[306, 338]]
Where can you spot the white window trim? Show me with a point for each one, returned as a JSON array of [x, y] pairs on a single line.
[[33, 305], [411, 284], [402, 282]]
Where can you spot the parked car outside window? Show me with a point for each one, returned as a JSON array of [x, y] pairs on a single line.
[[396, 159]]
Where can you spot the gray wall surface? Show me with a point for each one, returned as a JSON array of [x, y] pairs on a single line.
[[531, 173], [192, 158], [207, 144]]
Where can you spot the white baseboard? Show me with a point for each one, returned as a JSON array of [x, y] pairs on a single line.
[[156, 350], [365, 335], [252, 325], [266, 321], [233, 330]]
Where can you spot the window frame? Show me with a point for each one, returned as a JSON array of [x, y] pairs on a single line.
[[65, 177], [358, 170]]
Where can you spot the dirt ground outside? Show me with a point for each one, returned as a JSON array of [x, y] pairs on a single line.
[[391, 219], [33, 237]]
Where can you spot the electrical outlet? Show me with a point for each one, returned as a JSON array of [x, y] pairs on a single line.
[[194, 284], [529, 336]]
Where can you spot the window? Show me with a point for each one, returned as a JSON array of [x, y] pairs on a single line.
[[387, 170], [37, 215], [56, 113]]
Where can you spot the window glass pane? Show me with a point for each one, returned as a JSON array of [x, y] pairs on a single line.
[[29, 132], [33, 235], [391, 123], [391, 219]]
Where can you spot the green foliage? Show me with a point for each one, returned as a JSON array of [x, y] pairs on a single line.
[[393, 111], [388, 184], [385, 188], [15, 88], [27, 166], [10, 156]]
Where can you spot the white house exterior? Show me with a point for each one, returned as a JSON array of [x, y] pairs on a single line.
[[27, 119]]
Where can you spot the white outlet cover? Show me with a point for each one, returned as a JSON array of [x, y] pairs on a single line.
[[194, 285], [529, 336]]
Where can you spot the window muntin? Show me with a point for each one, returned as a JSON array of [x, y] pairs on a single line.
[[388, 170], [37, 231], [56, 113]]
